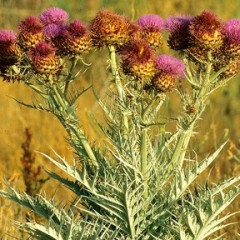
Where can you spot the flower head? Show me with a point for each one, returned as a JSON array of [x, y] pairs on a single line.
[[170, 65], [109, 28], [206, 30], [138, 59], [231, 46], [168, 70], [44, 58], [30, 32], [53, 15], [151, 26], [77, 38], [8, 44], [178, 26], [232, 31]]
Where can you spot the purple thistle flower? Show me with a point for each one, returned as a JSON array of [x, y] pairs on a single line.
[[54, 30], [7, 37], [232, 31], [151, 22], [170, 65], [53, 15], [177, 23]]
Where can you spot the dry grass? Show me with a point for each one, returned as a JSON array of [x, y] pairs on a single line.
[[223, 122]]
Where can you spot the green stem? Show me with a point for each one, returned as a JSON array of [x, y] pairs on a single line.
[[74, 61], [144, 165], [115, 73], [71, 124]]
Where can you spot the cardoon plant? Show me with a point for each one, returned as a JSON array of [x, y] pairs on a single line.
[[141, 183]]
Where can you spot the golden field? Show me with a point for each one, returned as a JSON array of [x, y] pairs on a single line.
[[221, 120]]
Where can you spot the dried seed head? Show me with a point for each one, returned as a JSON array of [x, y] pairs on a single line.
[[44, 59], [77, 38], [53, 15], [169, 69], [109, 28], [178, 26], [151, 26], [206, 31], [138, 60], [30, 32]]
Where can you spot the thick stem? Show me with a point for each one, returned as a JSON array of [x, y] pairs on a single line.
[[144, 165], [115, 73], [74, 61]]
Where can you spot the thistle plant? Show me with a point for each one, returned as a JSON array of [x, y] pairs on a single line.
[[139, 184]]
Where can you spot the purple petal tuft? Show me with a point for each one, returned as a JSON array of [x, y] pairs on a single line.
[[53, 15], [177, 23], [54, 30], [170, 65], [7, 37], [151, 22], [232, 31]]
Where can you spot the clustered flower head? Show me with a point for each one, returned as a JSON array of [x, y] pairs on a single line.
[[30, 32], [151, 27], [45, 42], [44, 59], [168, 70], [109, 28], [178, 27]]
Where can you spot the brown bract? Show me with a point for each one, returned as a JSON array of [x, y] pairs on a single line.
[[163, 82], [109, 28], [77, 39]]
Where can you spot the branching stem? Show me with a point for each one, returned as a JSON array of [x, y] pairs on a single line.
[[74, 61], [115, 73]]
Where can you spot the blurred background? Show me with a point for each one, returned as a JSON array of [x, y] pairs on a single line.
[[24, 131]]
